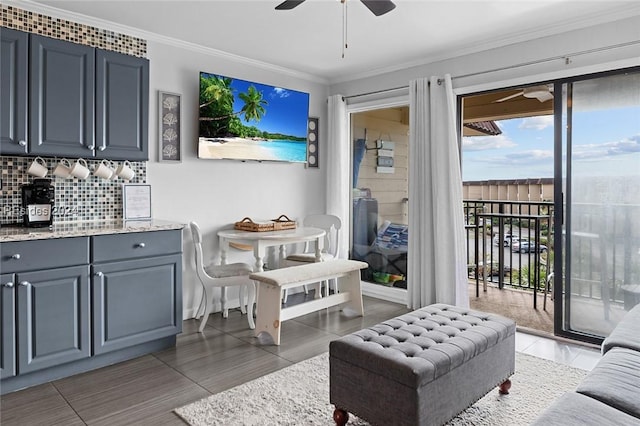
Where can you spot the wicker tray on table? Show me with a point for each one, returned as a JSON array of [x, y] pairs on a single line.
[[278, 224]]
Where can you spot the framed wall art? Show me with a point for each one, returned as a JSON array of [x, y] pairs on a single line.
[[312, 142], [169, 119]]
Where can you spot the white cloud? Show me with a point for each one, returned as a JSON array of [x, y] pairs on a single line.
[[524, 158], [538, 123], [484, 143], [279, 92], [606, 149]]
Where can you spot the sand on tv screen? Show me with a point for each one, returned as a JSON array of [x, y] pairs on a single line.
[[244, 120]]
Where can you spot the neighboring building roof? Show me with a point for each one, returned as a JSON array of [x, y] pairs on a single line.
[[489, 128], [528, 181]]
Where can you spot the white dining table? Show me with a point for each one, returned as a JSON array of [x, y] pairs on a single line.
[[260, 241]]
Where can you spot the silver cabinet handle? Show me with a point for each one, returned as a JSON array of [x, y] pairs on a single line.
[[22, 143], [15, 256], [91, 147], [99, 274], [8, 285], [25, 283], [102, 148], [140, 245]]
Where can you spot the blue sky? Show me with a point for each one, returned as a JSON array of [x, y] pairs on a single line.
[[287, 111], [605, 143]]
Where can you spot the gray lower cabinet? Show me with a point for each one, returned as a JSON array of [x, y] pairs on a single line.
[[45, 304], [75, 304], [7, 326], [53, 317], [61, 98], [136, 301], [14, 52]]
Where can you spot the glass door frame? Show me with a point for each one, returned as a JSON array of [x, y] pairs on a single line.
[[369, 289], [562, 197]]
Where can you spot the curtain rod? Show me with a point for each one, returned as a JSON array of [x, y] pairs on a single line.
[[566, 58]]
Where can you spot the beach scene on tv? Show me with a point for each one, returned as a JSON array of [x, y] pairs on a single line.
[[243, 120]]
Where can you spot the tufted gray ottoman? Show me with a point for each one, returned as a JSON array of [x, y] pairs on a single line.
[[421, 368]]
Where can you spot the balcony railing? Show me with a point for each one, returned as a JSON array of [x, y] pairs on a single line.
[[510, 243]]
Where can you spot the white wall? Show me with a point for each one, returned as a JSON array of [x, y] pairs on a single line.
[[216, 193], [552, 51]]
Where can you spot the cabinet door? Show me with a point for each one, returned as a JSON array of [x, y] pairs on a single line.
[[53, 317], [122, 106], [136, 301], [13, 87], [62, 87], [7, 326]]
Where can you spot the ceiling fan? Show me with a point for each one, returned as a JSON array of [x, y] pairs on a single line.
[[542, 93], [377, 7]]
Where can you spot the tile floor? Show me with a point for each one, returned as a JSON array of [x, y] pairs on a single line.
[[144, 391]]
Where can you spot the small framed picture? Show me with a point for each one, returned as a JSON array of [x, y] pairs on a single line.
[[169, 127], [136, 201]]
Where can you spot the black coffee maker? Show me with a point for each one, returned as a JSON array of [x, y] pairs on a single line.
[[37, 203]]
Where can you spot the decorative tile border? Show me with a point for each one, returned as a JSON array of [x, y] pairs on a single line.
[[90, 199], [24, 20]]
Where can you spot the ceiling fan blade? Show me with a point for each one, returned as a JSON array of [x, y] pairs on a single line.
[[379, 7], [288, 4], [545, 97], [506, 98]]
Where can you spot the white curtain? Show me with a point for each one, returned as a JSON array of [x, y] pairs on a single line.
[[338, 169], [436, 258]]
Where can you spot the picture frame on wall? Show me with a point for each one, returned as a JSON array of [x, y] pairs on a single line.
[[169, 127], [136, 201]]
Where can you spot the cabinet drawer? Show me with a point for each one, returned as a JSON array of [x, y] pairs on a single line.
[[19, 256], [111, 247]]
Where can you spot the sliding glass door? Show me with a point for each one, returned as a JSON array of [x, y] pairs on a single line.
[[380, 228], [598, 163]]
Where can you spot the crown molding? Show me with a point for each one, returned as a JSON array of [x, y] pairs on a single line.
[[55, 12]]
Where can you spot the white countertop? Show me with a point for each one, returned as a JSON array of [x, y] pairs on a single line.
[[85, 228]]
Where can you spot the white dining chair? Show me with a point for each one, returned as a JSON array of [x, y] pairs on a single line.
[[222, 276], [331, 225]]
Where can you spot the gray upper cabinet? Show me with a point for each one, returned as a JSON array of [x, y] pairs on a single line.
[[13, 101], [61, 98], [122, 105], [7, 326]]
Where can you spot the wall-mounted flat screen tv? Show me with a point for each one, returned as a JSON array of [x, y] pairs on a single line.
[[243, 120]]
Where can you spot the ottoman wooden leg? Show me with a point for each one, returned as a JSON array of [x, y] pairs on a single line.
[[340, 416], [504, 387]]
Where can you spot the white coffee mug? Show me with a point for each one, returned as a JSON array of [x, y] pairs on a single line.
[[104, 170], [125, 171], [80, 169], [38, 168], [63, 168]]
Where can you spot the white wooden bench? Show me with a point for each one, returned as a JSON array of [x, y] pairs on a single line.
[[270, 314]]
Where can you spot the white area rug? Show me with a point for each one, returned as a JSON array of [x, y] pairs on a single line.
[[299, 395]]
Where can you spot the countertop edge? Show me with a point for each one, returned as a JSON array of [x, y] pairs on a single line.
[[85, 229]]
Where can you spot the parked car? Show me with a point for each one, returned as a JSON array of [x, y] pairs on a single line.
[[527, 246], [508, 240]]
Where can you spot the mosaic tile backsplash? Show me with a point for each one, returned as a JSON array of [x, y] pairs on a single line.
[[75, 199], [31, 22]]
